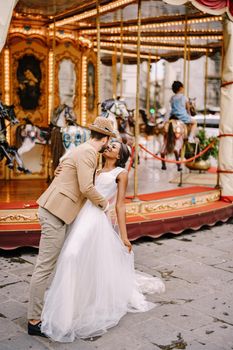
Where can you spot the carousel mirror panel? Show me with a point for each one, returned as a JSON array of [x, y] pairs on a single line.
[[91, 87], [67, 81]]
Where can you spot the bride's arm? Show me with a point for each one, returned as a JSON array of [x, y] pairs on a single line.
[[122, 181]]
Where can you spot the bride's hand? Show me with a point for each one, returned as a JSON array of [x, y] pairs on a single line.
[[127, 244]]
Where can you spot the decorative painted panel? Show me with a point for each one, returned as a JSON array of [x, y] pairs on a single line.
[[29, 81]]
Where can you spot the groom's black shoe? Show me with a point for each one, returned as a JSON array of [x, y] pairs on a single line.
[[35, 329]]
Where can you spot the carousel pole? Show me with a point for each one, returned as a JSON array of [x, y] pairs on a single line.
[[218, 159], [114, 74], [122, 57], [98, 56], [54, 62], [137, 104], [148, 85], [114, 67], [156, 78], [185, 50], [6, 95], [206, 87], [188, 76], [98, 68]]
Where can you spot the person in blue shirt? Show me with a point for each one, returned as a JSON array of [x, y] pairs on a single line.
[[181, 109]]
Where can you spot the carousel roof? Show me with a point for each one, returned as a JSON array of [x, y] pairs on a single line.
[[166, 30], [50, 7]]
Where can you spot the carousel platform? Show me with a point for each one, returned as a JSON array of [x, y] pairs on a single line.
[[152, 214]]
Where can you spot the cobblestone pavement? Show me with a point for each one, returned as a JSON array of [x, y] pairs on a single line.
[[196, 312]]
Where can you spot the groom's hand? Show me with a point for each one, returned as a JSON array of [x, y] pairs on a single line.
[[107, 207]]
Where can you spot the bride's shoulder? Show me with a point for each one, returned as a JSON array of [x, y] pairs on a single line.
[[121, 172]]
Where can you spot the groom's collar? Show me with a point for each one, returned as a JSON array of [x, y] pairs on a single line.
[[92, 146]]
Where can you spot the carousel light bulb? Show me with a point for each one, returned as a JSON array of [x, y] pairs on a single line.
[[7, 75], [129, 54], [92, 13], [153, 25], [50, 83], [27, 32], [164, 47], [166, 38], [84, 91]]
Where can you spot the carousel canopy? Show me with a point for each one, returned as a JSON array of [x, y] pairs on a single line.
[[166, 30], [63, 7], [51, 7]]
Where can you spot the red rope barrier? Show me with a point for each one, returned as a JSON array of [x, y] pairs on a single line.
[[224, 135], [227, 199], [179, 161], [225, 83], [224, 171]]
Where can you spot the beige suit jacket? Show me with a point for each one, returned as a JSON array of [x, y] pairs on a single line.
[[69, 191]]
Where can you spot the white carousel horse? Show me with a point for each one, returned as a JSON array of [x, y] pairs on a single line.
[[116, 111], [62, 115], [72, 136], [28, 135], [66, 133]]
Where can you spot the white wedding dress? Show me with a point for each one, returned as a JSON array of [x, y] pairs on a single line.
[[95, 283]]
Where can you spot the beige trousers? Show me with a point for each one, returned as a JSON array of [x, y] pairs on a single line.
[[53, 232]]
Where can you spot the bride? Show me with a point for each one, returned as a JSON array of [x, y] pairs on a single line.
[[95, 283]]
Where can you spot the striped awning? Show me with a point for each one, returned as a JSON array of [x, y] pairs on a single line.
[[214, 7]]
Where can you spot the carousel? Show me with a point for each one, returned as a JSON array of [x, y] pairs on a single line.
[[53, 59]]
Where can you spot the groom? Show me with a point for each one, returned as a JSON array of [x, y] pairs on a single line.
[[59, 205]]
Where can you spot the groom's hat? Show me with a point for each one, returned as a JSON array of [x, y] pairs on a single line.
[[103, 126]]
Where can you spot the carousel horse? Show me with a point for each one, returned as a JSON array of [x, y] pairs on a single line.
[[154, 127], [116, 111], [192, 106], [149, 123], [62, 115], [131, 121], [175, 132], [7, 151], [29, 134], [144, 122], [66, 134]]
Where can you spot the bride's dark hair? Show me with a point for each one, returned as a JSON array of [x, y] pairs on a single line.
[[123, 155]]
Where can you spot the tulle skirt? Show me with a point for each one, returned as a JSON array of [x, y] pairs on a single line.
[[95, 283]]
